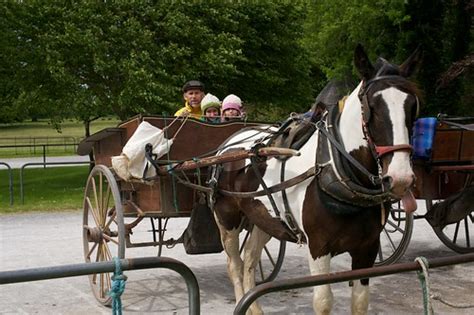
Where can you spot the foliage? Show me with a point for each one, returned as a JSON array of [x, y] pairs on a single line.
[[393, 29], [87, 59]]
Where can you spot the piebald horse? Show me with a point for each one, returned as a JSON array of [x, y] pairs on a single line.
[[341, 205]]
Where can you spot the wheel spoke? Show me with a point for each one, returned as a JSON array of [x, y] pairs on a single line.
[[396, 227], [456, 231], [466, 228], [107, 252], [111, 219], [92, 210], [91, 250], [101, 199], [94, 188], [106, 200], [260, 267], [110, 238], [269, 257], [380, 253], [390, 240]]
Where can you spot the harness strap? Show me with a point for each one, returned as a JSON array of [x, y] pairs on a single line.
[[382, 150], [275, 188], [253, 163], [374, 179], [290, 219]]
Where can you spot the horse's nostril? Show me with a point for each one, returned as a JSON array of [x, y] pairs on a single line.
[[387, 181]]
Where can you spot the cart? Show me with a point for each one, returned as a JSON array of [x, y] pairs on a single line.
[[444, 180], [113, 207]]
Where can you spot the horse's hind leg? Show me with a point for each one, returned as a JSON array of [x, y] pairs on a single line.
[[252, 252], [322, 297]]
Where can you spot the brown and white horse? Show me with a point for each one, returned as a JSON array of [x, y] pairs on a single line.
[[374, 129]]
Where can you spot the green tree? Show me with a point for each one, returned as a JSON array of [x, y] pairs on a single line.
[[393, 29], [87, 59]]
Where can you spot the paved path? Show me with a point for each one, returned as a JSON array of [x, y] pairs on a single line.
[[48, 239], [19, 162]]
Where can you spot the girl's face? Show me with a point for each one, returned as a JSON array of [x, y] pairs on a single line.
[[212, 112], [231, 113]]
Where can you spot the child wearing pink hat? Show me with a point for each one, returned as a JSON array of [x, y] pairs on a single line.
[[231, 108]]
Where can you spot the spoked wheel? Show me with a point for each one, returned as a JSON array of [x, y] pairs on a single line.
[[271, 259], [103, 227], [395, 236], [457, 236]]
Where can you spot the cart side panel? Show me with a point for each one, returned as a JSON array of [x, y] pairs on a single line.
[[158, 199], [196, 138], [467, 146], [105, 148], [446, 146], [437, 184], [130, 126]]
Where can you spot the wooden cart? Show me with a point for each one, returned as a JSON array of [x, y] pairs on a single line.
[[113, 208], [444, 180]]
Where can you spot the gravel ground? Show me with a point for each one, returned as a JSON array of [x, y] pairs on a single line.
[[49, 239]]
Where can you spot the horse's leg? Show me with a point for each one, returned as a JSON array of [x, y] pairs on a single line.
[[360, 288], [252, 252], [322, 297], [230, 242]]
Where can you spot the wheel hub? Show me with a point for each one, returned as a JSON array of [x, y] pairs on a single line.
[[94, 234]]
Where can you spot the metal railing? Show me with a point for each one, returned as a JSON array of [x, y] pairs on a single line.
[[43, 146], [311, 281], [22, 194], [10, 181], [35, 274]]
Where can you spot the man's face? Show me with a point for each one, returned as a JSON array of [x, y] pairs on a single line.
[[194, 97]]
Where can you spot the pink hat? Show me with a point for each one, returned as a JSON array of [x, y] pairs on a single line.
[[232, 101]]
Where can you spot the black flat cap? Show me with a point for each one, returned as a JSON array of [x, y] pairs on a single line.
[[193, 84]]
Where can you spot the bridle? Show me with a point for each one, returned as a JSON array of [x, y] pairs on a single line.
[[379, 151]]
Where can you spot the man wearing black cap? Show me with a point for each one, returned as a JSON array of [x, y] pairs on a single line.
[[193, 93]]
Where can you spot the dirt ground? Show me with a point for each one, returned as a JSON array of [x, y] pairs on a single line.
[[50, 239]]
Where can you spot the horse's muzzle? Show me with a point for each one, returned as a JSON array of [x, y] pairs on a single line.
[[398, 186]]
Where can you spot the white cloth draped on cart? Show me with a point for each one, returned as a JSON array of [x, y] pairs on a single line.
[[132, 162]]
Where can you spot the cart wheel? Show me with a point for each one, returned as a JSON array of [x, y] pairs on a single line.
[[457, 236], [103, 227], [395, 236], [271, 259]]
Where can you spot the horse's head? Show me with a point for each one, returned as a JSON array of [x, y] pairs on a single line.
[[389, 104]]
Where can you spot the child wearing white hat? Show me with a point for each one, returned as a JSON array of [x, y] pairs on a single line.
[[211, 108]]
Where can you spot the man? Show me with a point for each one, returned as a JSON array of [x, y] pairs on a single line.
[[193, 93]]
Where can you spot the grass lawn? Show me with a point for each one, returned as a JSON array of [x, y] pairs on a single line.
[[57, 188], [41, 132], [42, 128]]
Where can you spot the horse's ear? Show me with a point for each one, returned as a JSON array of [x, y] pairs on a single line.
[[410, 65], [362, 63]]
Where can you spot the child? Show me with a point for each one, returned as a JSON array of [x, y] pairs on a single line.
[[211, 108], [231, 108]]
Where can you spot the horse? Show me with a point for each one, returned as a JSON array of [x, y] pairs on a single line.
[[353, 163]]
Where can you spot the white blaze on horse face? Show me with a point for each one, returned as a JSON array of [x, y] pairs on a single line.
[[350, 124], [400, 167]]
